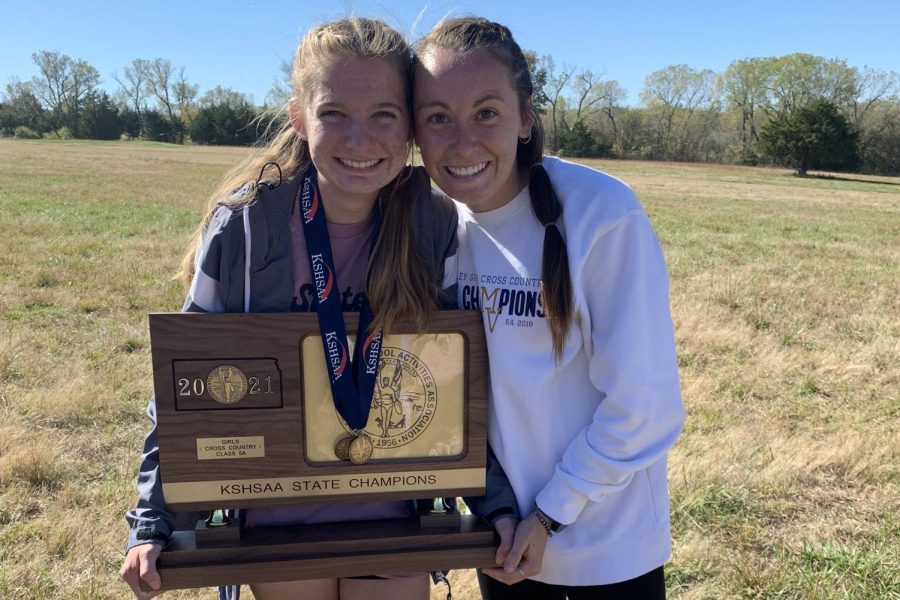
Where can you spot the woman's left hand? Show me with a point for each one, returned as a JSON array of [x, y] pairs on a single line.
[[506, 530], [526, 556]]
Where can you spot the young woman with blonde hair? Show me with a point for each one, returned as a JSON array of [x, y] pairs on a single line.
[[346, 144]]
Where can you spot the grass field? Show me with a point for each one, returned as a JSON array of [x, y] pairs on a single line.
[[786, 298]]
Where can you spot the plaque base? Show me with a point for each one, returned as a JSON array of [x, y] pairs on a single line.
[[296, 552]]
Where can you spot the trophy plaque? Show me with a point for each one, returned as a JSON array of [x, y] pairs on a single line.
[[245, 419]]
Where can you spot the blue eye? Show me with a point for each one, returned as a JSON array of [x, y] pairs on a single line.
[[437, 119], [486, 114]]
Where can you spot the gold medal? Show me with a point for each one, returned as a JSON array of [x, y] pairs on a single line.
[[342, 448], [361, 449]]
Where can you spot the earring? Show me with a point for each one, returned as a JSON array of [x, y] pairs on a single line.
[[525, 140]]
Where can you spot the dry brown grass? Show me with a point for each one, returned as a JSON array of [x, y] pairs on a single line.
[[785, 293]]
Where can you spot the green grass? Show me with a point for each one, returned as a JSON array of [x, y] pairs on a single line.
[[786, 298]]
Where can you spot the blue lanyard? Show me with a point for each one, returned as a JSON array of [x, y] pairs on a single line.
[[351, 389]]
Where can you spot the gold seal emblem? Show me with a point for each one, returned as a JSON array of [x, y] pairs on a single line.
[[404, 401], [227, 384], [361, 449]]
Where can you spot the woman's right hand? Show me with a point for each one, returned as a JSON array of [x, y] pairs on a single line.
[[139, 571]]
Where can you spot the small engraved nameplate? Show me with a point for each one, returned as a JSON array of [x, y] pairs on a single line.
[[234, 447]]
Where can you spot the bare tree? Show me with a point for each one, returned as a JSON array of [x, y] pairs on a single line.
[[586, 100], [593, 95], [159, 86], [571, 98], [50, 86], [185, 97], [612, 95], [225, 96], [554, 89], [872, 86], [674, 95], [133, 84], [744, 87], [281, 90], [63, 84]]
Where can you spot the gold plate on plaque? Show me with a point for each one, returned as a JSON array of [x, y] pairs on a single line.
[[417, 408], [231, 447]]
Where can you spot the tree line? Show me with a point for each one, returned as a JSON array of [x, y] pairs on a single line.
[[152, 101], [800, 110]]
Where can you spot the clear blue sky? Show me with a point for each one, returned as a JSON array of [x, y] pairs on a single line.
[[241, 44]]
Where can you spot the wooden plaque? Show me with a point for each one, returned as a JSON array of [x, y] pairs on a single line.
[[246, 419]]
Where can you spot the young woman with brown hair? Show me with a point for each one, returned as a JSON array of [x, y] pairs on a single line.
[[567, 271]]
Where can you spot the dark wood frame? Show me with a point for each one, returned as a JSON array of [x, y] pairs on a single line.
[[302, 551]]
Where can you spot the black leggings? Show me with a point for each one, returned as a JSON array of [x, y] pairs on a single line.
[[649, 586]]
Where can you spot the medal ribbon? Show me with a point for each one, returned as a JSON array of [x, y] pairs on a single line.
[[352, 381]]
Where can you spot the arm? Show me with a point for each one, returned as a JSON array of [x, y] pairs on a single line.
[[499, 499], [150, 523], [629, 339]]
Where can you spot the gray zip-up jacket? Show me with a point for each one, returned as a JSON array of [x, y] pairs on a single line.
[[243, 264]]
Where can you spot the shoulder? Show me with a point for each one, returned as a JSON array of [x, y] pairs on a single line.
[[592, 201], [229, 208], [589, 191], [263, 204]]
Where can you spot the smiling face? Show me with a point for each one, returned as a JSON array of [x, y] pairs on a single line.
[[356, 122], [468, 124]]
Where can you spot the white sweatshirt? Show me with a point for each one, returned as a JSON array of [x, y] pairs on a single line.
[[587, 439]]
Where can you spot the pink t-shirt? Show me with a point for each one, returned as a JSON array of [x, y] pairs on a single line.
[[350, 245]]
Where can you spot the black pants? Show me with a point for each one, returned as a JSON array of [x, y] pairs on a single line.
[[649, 586]]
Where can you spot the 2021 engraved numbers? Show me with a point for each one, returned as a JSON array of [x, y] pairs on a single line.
[[245, 383]]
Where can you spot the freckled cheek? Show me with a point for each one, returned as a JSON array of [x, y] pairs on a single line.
[[397, 145], [435, 142], [319, 138], [430, 151], [315, 144], [500, 138], [392, 136]]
